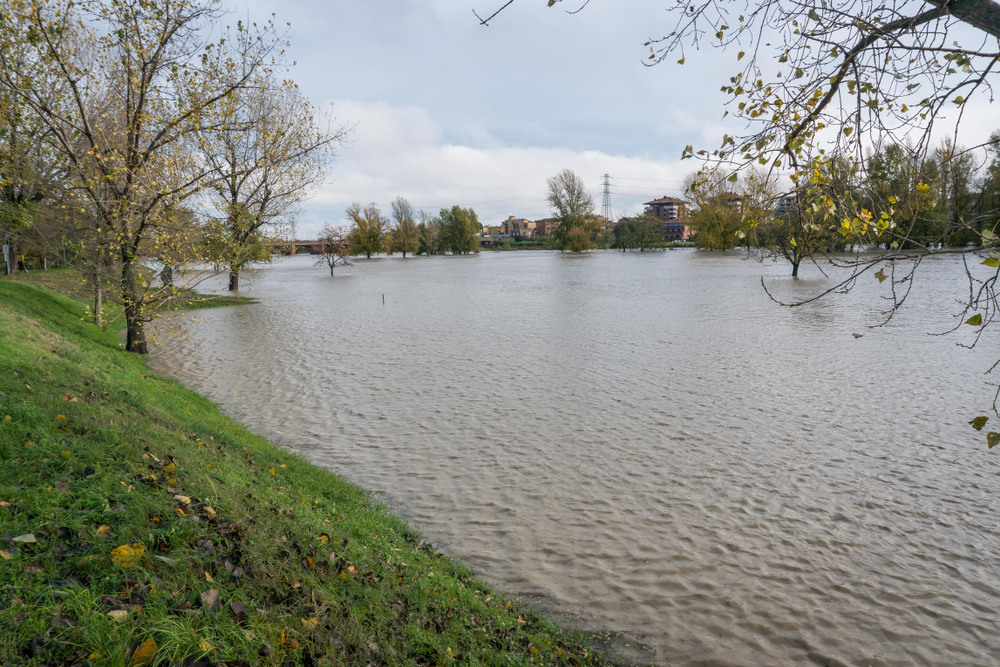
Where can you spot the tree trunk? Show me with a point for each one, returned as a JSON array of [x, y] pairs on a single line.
[[98, 300], [795, 269], [167, 276], [234, 280], [12, 267], [135, 337], [331, 269]]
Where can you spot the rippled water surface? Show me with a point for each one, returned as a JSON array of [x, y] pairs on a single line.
[[647, 442]]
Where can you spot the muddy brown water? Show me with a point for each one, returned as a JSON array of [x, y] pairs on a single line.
[[645, 444]]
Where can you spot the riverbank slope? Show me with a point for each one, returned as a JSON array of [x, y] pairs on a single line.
[[140, 526]]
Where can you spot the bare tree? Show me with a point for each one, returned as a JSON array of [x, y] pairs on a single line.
[[334, 247]]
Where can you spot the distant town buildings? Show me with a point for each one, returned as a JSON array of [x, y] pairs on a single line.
[[518, 228], [675, 215]]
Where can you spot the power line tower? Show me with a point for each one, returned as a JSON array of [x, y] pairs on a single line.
[[606, 203]]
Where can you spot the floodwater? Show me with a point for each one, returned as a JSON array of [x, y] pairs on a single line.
[[647, 445]]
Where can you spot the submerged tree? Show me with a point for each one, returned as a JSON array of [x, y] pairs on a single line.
[[268, 148], [334, 248], [430, 230], [573, 206], [405, 234], [460, 231], [368, 231]]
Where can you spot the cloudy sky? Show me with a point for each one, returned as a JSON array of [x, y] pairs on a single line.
[[447, 111]]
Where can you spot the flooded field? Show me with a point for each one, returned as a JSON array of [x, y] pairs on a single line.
[[646, 444]]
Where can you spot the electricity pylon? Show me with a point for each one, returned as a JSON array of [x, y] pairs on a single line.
[[606, 203]]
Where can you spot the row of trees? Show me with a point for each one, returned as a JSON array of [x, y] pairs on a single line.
[[139, 137], [406, 231], [903, 200]]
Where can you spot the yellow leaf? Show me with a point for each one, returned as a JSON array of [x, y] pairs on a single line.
[[312, 563], [976, 320], [145, 654], [61, 417], [103, 530], [881, 275], [205, 646], [209, 511], [310, 623], [128, 556], [118, 615], [324, 538], [271, 470], [208, 578], [6, 555], [979, 422]]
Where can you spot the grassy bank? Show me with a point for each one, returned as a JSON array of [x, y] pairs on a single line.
[[139, 526]]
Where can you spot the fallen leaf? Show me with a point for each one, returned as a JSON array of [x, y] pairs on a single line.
[[239, 611], [144, 654], [183, 499], [208, 578], [61, 621], [310, 623], [205, 646], [128, 555], [324, 538], [103, 530], [210, 600], [209, 511], [311, 562], [118, 615], [6, 555], [27, 538], [61, 417], [4, 503]]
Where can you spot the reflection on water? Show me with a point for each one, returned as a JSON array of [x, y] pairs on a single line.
[[645, 441]]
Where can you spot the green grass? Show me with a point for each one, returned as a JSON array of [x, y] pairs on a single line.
[[70, 282], [97, 452]]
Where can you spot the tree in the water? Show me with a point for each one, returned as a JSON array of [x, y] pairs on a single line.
[[405, 234], [368, 230], [573, 206], [334, 248], [268, 148], [460, 231]]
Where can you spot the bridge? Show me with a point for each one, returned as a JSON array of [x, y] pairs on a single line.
[[298, 246]]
